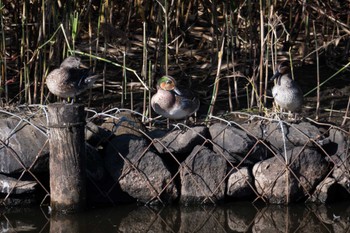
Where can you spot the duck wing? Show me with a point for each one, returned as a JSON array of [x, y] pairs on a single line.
[[79, 77]]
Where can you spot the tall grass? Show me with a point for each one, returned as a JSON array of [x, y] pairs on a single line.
[[224, 50]]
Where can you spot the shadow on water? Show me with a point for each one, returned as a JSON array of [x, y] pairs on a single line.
[[234, 217]]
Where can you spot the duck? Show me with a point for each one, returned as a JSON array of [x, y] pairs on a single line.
[[173, 102], [71, 79], [286, 92]]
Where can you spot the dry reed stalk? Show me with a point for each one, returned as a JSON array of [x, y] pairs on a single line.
[[104, 20], [144, 72], [149, 94], [322, 12], [177, 26], [124, 81], [42, 58], [318, 73], [331, 111], [3, 59], [262, 51], [217, 81], [228, 52], [346, 113]]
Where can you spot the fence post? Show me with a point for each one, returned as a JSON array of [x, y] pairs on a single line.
[[67, 157]]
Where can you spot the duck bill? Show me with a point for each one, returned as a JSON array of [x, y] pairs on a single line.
[[276, 75], [82, 66], [177, 91]]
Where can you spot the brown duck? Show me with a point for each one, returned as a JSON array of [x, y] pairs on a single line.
[[70, 79]]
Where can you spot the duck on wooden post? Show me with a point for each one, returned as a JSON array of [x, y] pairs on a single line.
[[286, 92], [173, 102], [67, 137], [71, 79]]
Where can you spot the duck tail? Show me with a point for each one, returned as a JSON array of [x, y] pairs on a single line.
[[91, 79]]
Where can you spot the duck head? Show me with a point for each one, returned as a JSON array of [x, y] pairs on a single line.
[[168, 83], [72, 62], [282, 69]]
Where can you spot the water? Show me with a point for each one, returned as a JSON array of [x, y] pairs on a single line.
[[234, 217]]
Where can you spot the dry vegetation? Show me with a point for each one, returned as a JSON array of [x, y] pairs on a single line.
[[224, 50]]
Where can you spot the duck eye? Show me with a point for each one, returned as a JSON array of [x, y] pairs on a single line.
[[169, 82]]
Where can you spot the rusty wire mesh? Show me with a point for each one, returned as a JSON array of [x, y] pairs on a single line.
[[207, 194]]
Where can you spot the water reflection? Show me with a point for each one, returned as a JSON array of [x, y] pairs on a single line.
[[235, 217]]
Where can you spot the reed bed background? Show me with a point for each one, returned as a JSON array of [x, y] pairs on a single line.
[[224, 50]]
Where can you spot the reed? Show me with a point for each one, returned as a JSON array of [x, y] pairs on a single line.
[[182, 38]]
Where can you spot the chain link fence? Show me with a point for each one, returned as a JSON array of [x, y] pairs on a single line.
[[260, 159]]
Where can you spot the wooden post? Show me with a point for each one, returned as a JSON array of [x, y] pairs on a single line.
[[67, 157]]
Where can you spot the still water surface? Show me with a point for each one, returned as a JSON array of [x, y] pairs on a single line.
[[234, 217]]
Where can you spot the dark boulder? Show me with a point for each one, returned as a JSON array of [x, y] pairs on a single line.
[[240, 183], [124, 123], [9, 185], [146, 178], [340, 157], [140, 172], [282, 136], [282, 184], [118, 149], [236, 145], [203, 177], [181, 141], [23, 145]]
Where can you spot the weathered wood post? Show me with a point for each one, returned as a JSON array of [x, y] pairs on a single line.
[[67, 157]]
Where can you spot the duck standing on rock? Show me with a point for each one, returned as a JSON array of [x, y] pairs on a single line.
[[286, 92], [172, 102], [70, 79]]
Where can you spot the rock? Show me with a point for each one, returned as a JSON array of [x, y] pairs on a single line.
[[96, 135], [321, 193], [94, 164], [291, 136], [139, 172], [276, 185], [202, 177], [118, 149], [114, 156], [339, 139], [341, 174], [181, 141], [15, 186], [106, 192], [157, 133], [22, 193], [324, 191], [15, 201], [235, 144], [23, 144], [340, 157], [240, 183], [255, 128], [124, 123], [146, 178]]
